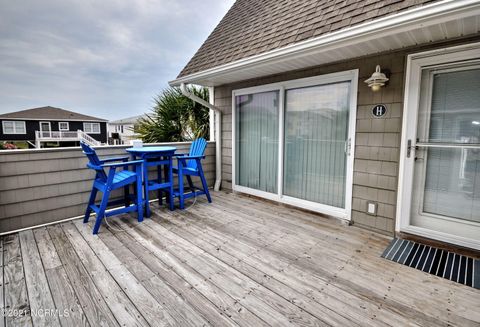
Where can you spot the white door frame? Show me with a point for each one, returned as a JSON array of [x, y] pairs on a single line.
[[345, 76], [416, 63], [49, 128]]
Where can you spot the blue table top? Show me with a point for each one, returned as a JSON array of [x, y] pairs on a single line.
[[152, 149]]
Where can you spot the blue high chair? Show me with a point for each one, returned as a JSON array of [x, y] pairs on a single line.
[[190, 165], [114, 179]]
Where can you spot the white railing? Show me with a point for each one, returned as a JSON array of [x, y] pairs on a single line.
[[43, 136], [56, 135], [88, 139]]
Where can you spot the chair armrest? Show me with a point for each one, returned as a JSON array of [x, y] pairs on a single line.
[[114, 159], [122, 164], [179, 154], [192, 157]]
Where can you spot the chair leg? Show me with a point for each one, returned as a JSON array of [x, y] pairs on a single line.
[[91, 201], [139, 200], [126, 195], [180, 188], [101, 212], [190, 183], [147, 199], [159, 179], [171, 198], [204, 182]]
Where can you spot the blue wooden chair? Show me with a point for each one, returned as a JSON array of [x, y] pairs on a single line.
[[114, 179], [190, 165]]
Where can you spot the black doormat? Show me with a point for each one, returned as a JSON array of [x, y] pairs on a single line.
[[453, 266]]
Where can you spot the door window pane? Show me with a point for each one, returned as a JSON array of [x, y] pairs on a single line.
[[45, 127], [447, 179], [452, 183], [257, 140], [455, 109], [316, 131]]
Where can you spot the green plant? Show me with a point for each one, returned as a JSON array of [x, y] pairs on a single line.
[[175, 118]]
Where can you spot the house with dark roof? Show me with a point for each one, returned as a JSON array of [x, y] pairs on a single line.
[[367, 111], [51, 127]]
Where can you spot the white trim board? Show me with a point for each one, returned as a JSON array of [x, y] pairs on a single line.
[[416, 63], [350, 76]]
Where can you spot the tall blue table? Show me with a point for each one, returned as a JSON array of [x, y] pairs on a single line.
[[161, 157]]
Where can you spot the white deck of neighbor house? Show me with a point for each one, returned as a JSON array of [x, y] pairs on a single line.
[[236, 262]]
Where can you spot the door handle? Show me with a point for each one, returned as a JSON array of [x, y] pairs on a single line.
[[409, 148]]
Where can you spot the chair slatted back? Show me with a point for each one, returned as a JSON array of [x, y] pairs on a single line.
[[94, 161], [196, 149]]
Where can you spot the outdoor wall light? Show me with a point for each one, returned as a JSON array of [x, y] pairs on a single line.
[[377, 80]]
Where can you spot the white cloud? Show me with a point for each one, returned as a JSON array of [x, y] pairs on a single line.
[[107, 57]]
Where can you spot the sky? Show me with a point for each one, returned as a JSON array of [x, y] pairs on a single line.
[[106, 58]]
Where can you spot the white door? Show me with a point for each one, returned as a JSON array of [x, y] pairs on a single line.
[[442, 157], [45, 129]]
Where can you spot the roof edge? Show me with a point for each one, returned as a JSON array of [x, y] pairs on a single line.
[[56, 119], [406, 20]]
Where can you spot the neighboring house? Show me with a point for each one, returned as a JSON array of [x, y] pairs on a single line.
[[50, 126], [121, 131], [300, 126]]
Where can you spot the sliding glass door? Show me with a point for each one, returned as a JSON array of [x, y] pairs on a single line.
[[316, 136], [291, 142], [257, 141]]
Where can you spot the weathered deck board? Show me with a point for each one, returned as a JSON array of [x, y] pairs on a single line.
[[16, 298], [268, 271], [39, 294], [146, 290], [122, 308], [63, 293], [140, 259], [221, 298], [91, 300], [239, 261]]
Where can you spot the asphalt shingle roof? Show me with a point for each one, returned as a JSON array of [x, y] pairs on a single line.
[[49, 113], [252, 27]]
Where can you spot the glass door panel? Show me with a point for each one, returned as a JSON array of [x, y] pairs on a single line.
[[446, 193], [256, 143], [316, 134]]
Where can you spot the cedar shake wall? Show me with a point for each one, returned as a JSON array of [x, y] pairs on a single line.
[[377, 147]]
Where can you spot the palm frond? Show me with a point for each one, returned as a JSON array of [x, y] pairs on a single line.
[[175, 118]]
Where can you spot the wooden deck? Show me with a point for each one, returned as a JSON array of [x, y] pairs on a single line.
[[236, 262]]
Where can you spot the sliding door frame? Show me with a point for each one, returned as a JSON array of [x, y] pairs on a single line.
[[344, 76]]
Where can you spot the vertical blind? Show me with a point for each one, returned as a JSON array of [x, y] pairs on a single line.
[[257, 140], [316, 131], [452, 177]]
